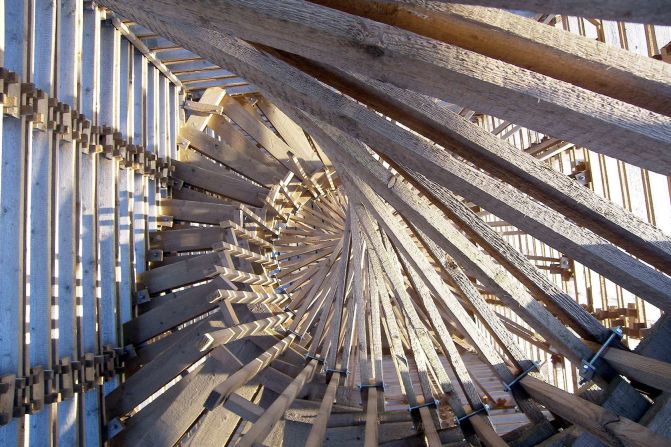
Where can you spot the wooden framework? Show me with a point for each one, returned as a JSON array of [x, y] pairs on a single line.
[[381, 222]]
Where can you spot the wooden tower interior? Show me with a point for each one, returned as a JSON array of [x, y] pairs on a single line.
[[335, 222]]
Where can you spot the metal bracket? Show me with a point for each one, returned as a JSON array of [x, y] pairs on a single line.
[[289, 331], [433, 404], [509, 386], [484, 408], [114, 427], [587, 368], [309, 357], [142, 296]]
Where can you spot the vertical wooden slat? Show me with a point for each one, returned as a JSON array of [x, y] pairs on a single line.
[[67, 270], [90, 432], [12, 195], [107, 191], [151, 141], [139, 138], [38, 221], [125, 188]]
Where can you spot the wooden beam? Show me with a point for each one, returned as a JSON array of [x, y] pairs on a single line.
[[181, 273], [196, 211], [188, 239], [259, 131], [227, 185], [465, 139], [643, 11], [176, 309], [596, 66], [292, 134], [278, 81], [529, 99], [261, 429], [254, 164], [649, 371], [609, 427]]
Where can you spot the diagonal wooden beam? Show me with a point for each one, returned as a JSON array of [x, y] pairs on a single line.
[[596, 66], [427, 66], [465, 139], [643, 11]]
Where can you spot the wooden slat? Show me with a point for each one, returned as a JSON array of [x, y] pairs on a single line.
[[196, 211], [228, 185], [253, 164]]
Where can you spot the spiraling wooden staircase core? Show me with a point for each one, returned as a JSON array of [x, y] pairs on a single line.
[[335, 222]]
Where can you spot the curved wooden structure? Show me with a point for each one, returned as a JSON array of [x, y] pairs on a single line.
[[374, 222]]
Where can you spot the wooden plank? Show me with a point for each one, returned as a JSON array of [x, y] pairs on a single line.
[[417, 208], [649, 371], [187, 239], [248, 59], [67, 202], [246, 373], [212, 95], [292, 134], [244, 277], [259, 131], [622, 74], [89, 100], [181, 273], [196, 211], [106, 191], [165, 420], [176, 308], [39, 208], [500, 89], [252, 164], [635, 11], [227, 185], [609, 427], [243, 408], [264, 424], [615, 257], [246, 235]]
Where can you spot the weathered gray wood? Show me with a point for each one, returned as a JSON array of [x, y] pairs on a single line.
[[618, 73], [609, 427], [187, 239], [253, 164], [430, 219], [244, 58], [524, 171], [655, 11], [181, 273], [196, 211], [175, 310], [589, 250], [228, 185], [167, 419], [384, 52], [292, 134]]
